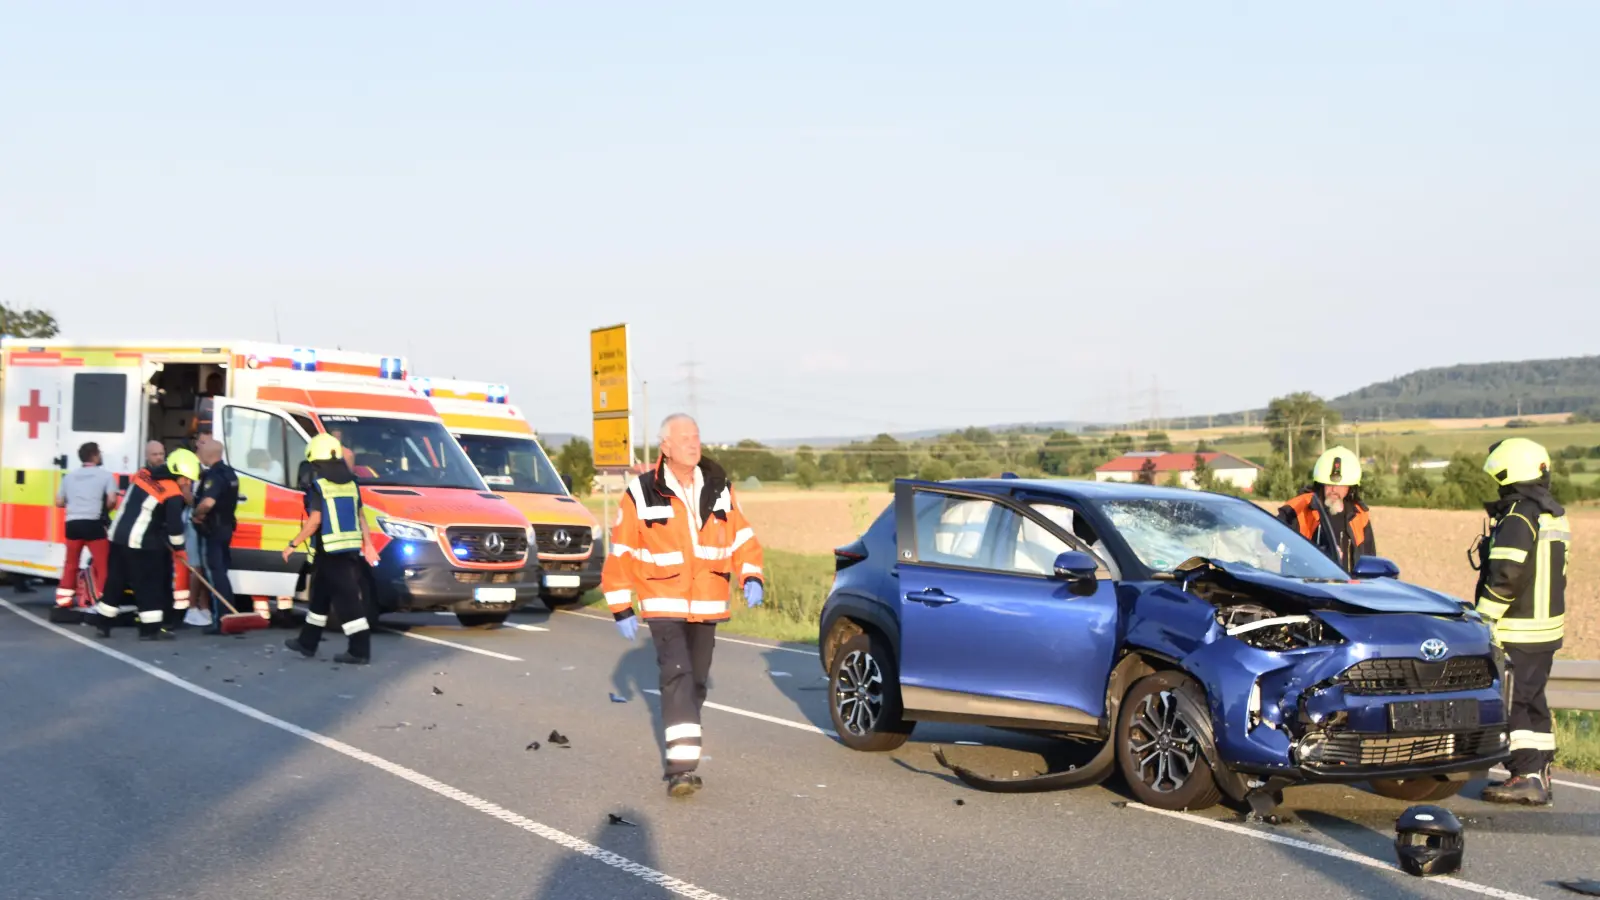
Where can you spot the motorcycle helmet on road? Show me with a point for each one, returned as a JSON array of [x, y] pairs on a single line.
[[1428, 840]]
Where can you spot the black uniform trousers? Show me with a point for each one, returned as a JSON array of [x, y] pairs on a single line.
[[683, 655], [1533, 738], [337, 586], [149, 574], [217, 552]]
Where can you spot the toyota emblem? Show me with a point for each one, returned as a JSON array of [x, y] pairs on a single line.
[[1434, 649], [494, 544], [561, 538]]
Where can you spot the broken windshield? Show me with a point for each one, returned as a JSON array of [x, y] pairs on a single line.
[[1163, 533]]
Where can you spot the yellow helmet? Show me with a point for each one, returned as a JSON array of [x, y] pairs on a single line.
[[184, 463], [324, 446], [1516, 459], [1339, 465]]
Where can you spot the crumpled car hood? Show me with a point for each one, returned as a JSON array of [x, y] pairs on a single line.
[[1379, 595]]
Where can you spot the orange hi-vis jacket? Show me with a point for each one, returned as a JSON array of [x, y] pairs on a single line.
[[679, 570]]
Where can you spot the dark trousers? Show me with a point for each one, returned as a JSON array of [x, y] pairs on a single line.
[[337, 586], [149, 574], [217, 555], [1533, 740], [683, 654]]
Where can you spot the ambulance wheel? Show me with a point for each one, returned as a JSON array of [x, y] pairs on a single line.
[[1416, 790], [481, 620]]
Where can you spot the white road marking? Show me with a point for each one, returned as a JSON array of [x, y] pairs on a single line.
[[582, 615], [521, 627], [468, 648], [1345, 855], [616, 861], [799, 726]]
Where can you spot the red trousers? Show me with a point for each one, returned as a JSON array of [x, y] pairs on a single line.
[[99, 549]]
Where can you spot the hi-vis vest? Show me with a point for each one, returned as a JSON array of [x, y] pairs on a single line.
[[1308, 520], [341, 516], [678, 570], [1527, 606]]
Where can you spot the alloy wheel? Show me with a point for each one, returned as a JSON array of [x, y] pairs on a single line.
[[1163, 743], [858, 694]]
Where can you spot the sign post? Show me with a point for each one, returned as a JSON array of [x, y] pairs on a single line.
[[610, 399]]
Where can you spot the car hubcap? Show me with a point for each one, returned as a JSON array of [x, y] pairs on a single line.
[[1163, 743], [858, 693]]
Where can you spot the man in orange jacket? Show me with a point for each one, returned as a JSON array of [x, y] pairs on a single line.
[[1330, 513], [679, 543]]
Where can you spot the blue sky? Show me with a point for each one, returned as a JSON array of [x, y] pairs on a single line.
[[912, 215]]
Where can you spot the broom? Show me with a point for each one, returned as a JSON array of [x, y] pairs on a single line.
[[236, 622]]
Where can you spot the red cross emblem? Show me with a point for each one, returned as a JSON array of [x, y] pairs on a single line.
[[35, 414]]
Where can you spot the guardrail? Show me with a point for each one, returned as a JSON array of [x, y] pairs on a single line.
[[1574, 684]]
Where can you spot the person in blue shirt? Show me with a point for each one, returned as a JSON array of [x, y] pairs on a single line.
[[214, 521]]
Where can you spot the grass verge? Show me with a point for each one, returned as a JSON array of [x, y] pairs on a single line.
[[1577, 740], [797, 586]]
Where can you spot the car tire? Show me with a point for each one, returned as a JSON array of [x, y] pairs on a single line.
[[1416, 790], [864, 696], [1158, 748], [481, 620]]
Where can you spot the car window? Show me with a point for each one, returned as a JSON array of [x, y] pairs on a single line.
[[254, 443], [950, 530], [1163, 533], [1077, 526]]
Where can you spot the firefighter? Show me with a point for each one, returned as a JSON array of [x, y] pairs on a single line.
[[679, 544], [1522, 581], [1330, 512], [147, 548], [337, 529]]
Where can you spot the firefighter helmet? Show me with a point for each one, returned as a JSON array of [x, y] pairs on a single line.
[[1515, 460], [1339, 465], [1429, 841], [323, 446], [184, 463]]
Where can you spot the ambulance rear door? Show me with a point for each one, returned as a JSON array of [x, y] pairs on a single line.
[[30, 470], [266, 448]]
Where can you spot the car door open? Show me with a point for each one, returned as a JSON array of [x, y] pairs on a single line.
[[990, 631]]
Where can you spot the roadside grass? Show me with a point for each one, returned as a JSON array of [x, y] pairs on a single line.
[[797, 586], [1577, 740]]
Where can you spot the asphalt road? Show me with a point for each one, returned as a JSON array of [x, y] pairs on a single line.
[[229, 767]]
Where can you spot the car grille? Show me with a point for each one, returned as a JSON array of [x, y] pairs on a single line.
[[471, 544], [562, 566], [548, 539], [1415, 676], [487, 577], [1374, 750]]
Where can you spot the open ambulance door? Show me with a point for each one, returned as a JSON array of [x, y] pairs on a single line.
[[31, 471], [266, 448]]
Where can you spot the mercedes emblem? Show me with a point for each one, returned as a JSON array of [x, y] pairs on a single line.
[[1434, 649], [494, 544], [561, 538]]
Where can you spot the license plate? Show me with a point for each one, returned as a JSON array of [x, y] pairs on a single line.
[[1433, 715], [495, 595], [561, 581]]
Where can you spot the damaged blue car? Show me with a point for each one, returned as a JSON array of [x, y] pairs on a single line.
[[1187, 638]]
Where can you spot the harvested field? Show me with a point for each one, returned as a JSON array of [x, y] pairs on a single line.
[[1430, 546]]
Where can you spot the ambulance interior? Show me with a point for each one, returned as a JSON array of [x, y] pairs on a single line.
[[178, 401]]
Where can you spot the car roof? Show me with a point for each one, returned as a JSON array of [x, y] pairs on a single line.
[[1093, 491]]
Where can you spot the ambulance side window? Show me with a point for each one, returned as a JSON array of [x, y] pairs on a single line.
[[99, 403], [255, 443], [296, 446]]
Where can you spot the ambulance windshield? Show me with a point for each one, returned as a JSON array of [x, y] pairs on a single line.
[[513, 465], [403, 452]]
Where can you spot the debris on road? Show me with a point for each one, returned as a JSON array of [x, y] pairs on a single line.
[[1120, 804], [395, 727], [437, 692], [430, 727], [532, 746], [557, 738], [227, 681], [618, 820], [616, 699], [960, 802]]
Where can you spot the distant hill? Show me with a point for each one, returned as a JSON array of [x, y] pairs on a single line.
[[1481, 390]]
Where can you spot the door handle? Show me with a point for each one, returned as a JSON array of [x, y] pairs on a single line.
[[932, 597]]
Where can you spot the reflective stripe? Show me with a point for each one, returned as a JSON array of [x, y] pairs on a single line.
[[707, 607], [623, 597], [683, 752], [263, 609], [286, 603], [341, 526], [1555, 534], [107, 610], [675, 558], [180, 602], [748, 569], [63, 597], [655, 513], [742, 535], [1511, 553], [1532, 740], [665, 605], [1532, 624], [620, 549], [316, 620], [176, 539], [356, 627], [722, 504], [1492, 608], [713, 552], [151, 616], [679, 732], [181, 595]]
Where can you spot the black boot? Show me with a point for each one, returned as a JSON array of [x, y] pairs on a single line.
[[295, 645], [682, 785], [359, 653], [1529, 790]]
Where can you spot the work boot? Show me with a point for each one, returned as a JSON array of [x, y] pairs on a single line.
[[348, 659], [1529, 790], [295, 645], [682, 785]]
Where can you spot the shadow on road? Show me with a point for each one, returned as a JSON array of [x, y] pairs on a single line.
[[577, 877]]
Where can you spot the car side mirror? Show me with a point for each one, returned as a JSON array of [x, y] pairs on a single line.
[[1375, 567], [1075, 565]]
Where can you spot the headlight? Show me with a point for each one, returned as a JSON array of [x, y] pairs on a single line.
[[403, 530]]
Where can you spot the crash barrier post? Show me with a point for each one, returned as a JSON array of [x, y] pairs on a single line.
[[1574, 684]]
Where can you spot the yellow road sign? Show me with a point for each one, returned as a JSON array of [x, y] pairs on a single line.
[[613, 442], [608, 369]]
